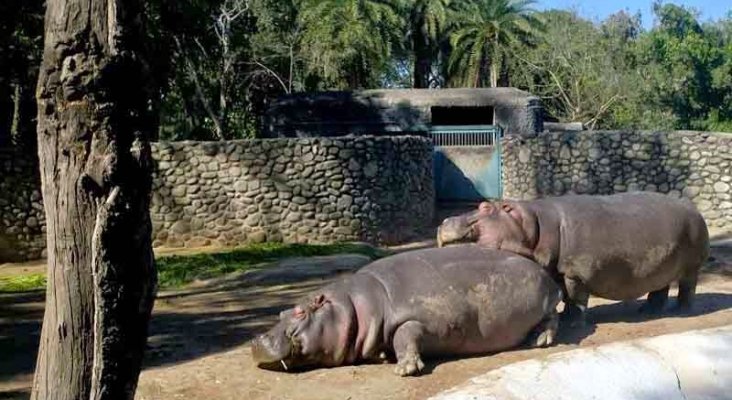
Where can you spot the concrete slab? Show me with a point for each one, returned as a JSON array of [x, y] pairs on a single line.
[[690, 365]]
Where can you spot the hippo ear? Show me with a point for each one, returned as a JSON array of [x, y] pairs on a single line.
[[318, 302]]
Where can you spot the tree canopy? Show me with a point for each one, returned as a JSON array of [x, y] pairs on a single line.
[[484, 34], [219, 62]]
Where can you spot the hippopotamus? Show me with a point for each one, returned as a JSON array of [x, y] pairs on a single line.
[[458, 300], [618, 247]]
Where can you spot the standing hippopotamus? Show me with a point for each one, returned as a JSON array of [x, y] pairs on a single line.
[[618, 247], [451, 301]]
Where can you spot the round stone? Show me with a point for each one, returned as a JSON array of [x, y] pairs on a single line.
[[524, 155], [371, 169], [721, 187], [181, 227]]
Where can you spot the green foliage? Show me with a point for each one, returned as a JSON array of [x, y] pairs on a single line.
[[429, 24], [679, 59], [22, 283], [349, 43], [485, 33], [577, 69], [175, 271], [219, 62], [610, 75], [205, 91], [21, 30]]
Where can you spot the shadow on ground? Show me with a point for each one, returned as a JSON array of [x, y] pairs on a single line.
[[627, 311], [15, 395], [20, 329], [217, 316], [624, 312], [196, 325], [229, 312]]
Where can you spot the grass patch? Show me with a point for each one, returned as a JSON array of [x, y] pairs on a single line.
[[22, 283], [176, 271]]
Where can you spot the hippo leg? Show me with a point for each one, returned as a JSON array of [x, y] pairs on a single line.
[[407, 340], [655, 302], [575, 304], [687, 290], [546, 331]]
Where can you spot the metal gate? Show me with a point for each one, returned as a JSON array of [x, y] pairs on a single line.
[[467, 162]]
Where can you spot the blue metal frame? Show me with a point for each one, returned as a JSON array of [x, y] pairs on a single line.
[[472, 180]]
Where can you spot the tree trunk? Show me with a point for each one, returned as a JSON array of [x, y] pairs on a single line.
[[6, 105], [94, 126], [494, 74], [15, 124], [224, 90], [495, 61], [422, 59]]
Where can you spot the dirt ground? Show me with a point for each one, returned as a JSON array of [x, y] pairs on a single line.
[[198, 341]]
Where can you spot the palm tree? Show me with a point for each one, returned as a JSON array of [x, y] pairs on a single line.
[[427, 20], [349, 43], [486, 30]]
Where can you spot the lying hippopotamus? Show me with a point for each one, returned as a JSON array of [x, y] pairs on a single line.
[[453, 301], [618, 247]]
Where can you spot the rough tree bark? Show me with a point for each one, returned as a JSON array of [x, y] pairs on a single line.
[[94, 126], [422, 56], [15, 124]]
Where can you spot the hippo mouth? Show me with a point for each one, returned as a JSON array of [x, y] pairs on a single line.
[[276, 354], [291, 363], [280, 366], [454, 239]]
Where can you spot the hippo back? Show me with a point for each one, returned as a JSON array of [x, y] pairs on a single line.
[[447, 288], [645, 238]]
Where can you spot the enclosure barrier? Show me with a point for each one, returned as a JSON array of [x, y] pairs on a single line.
[[690, 365]]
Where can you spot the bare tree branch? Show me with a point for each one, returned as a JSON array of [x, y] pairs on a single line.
[[218, 130], [269, 71]]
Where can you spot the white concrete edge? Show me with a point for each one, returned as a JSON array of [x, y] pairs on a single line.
[[689, 365]]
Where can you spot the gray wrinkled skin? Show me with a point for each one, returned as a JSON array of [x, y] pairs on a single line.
[[454, 301], [618, 247]]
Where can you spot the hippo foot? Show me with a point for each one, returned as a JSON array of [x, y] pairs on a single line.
[[410, 365], [546, 338], [656, 302], [545, 333]]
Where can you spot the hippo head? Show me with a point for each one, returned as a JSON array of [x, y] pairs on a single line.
[[501, 225], [460, 228], [316, 332]]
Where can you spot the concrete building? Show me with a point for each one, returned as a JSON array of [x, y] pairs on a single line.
[[394, 111]]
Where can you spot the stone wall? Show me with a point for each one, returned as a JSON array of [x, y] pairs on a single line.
[[696, 165], [22, 229], [376, 189]]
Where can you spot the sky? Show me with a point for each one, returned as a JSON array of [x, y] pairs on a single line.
[[599, 9]]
